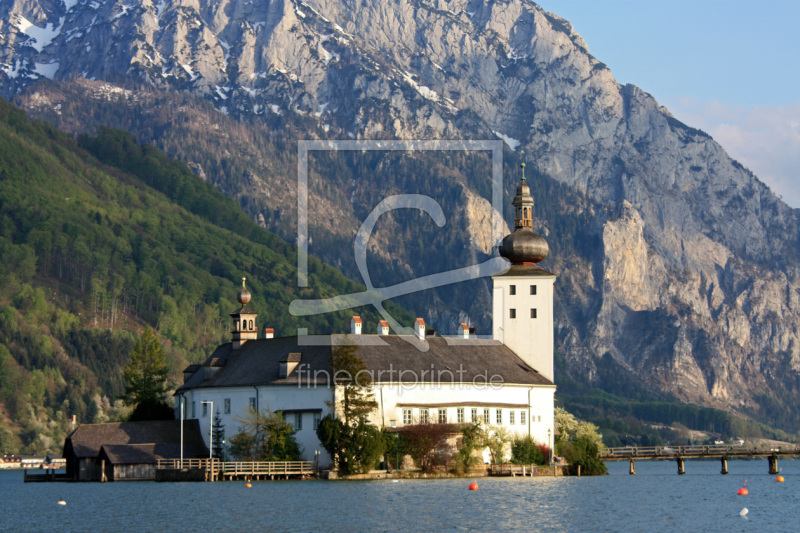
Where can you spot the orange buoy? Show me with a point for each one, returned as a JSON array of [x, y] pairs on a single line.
[[743, 491], [473, 486], [779, 479], [248, 485]]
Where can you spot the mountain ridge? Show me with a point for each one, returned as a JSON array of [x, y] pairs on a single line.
[[683, 244]]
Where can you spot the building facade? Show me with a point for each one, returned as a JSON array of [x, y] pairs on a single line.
[[505, 380]]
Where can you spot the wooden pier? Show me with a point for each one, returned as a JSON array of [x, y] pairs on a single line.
[[681, 453], [216, 470]]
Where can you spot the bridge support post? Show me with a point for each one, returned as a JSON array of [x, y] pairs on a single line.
[[632, 470], [773, 464], [681, 469], [724, 465]]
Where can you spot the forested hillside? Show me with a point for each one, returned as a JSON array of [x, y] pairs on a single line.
[[91, 252]]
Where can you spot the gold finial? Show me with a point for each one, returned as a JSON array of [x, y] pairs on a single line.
[[243, 280], [522, 165]]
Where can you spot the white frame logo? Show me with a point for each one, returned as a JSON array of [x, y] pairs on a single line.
[[376, 296]]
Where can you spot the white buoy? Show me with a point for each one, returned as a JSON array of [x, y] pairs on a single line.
[[743, 512], [62, 502]]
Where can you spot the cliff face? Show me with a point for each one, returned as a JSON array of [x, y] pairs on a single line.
[[693, 286]]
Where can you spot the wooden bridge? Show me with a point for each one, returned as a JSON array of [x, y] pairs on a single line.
[[680, 453], [214, 469]]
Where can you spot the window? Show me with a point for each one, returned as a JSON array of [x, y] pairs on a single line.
[[406, 417], [511, 417], [253, 402], [486, 419], [205, 408], [227, 408], [423, 416], [512, 290], [522, 417], [512, 313], [443, 416], [460, 415], [236, 325], [299, 421], [533, 313], [540, 418], [499, 416], [533, 290], [317, 418], [193, 411]]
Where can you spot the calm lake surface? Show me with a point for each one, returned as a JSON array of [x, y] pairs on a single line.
[[655, 499]]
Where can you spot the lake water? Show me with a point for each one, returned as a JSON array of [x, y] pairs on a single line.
[[655, 499]]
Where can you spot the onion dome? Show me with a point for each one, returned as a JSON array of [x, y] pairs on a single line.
[[524, 246], [244, 295]]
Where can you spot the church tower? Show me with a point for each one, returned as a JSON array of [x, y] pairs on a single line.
[[522, 295], [244, 320]]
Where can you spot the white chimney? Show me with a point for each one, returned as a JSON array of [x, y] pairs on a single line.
[[383, 327], [464, 331], [419, 328], [355, 325], [269, 333]]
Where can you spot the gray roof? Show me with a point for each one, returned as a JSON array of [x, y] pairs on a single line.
[[133, 454], [390, 358], [257, 362], [87, 439]]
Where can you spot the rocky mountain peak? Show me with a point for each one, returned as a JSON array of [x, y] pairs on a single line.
[[693, 286]]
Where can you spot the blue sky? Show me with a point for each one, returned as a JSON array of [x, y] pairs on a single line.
[[728, 67]]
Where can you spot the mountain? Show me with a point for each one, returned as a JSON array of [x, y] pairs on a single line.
[[90, 253], [677, 266]]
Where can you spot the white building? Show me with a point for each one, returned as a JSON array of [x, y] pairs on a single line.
[[503, 381]]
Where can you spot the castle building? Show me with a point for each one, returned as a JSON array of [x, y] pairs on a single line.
[[505, 380]]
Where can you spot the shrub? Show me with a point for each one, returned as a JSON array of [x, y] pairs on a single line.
[[583, 452], [526, 450]]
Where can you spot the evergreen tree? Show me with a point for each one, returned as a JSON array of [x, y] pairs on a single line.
[[353, 443], [351, 375], [219, 437], [145, 378]]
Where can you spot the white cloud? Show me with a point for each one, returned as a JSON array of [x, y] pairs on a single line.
[[764, 139]]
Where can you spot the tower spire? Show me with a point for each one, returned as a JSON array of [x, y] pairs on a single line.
[[523, 246], [523, 203]]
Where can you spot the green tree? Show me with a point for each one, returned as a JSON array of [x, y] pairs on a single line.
[[472, 441], [354, 444], [145, 378], [496, 439], [584, 452], [351, 376], [219, 436], [264, 436]]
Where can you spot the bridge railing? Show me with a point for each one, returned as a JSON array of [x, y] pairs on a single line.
[[242, 467], [699, 450]]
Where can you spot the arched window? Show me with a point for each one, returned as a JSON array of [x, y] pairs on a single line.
[[251, 325], [236, 325]]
